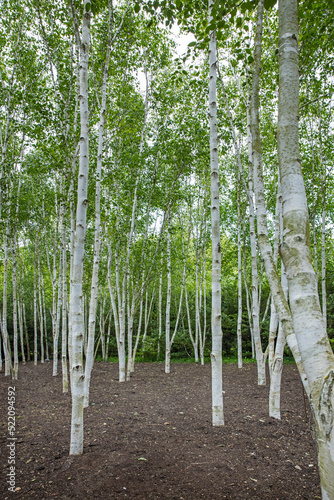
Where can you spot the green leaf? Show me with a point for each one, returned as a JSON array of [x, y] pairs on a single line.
[[179, 5], [239, 22], [250, 5], [268, 4], [137, 7]]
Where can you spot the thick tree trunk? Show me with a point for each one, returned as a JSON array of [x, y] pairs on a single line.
[[315, 350], [76, 307], [216, 354]]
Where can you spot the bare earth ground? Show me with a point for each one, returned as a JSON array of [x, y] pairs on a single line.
[[152, 437]]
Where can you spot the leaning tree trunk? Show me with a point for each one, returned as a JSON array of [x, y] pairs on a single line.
[[216, 353], [315, 350]]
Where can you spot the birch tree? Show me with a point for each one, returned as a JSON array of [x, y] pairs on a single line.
[[216, 355], [316, 357], [316, 353], [76, 331], [97, 236]]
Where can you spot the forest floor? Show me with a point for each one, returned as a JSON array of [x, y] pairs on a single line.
[[152, 438]]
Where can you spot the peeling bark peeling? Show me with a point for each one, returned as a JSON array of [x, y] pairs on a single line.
[[315, 350]]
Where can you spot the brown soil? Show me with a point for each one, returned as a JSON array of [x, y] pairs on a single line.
[[151, 438]]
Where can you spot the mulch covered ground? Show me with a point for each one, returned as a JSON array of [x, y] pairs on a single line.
[[152, 437]]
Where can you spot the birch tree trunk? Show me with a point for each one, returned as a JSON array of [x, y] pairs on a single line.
[[252, 109], [160, 313], [216, 354], [276, 340], [255, 302], [138, 334], [35, 313], [277, 291], [76, 306], [323, 237], [5, 338], [239, 335], [20, 314], [41, 324], [64, 311], [315, 350], [26, 332], [97, 235], [169, 292], [15, 337]]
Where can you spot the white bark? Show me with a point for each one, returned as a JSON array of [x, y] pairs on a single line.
[[277, 291], [249, 312], [315, 350], [76, 309], [97, 235], [41, 323], [160, 313], [26, 332], [4, 331], [147, 314], [64, 311], [108, 339], [131, 316], [35, 313], [204, 299], [138, 334], [168, 301], [252, 112], [20, 314], [255, 302], [323, 245], [239, 323], [276, 342], [15, 337], [216, 354]]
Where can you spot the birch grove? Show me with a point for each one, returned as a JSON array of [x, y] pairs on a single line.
[[160, 203]]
